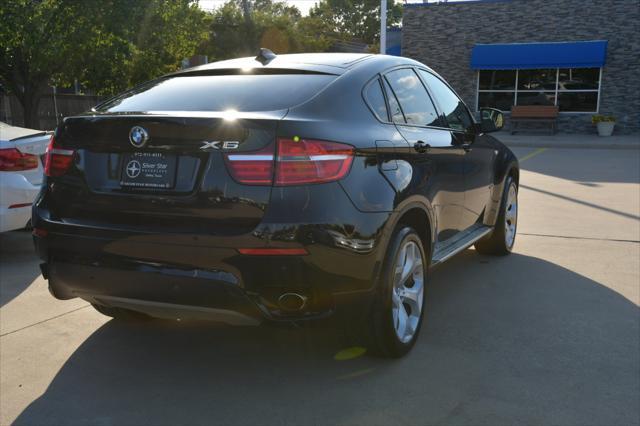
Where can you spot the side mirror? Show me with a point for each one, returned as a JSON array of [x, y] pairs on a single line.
[[491, 120]]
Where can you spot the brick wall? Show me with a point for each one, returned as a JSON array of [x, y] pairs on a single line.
[[442, 36]]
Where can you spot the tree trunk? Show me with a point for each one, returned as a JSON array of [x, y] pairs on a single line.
[[249, 43], [30, 101]]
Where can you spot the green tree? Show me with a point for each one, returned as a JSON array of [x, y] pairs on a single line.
[[354, 19], [280, 27], [169, 31], [275, 25], [106, 44]]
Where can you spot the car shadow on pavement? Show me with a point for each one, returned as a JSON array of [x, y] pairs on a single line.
[[588, 167], [18, 269], [507, 340]]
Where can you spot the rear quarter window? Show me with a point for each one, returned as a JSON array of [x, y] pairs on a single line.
[[243, 93], [375, 99]]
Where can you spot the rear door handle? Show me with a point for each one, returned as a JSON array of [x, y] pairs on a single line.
[[421, 146]]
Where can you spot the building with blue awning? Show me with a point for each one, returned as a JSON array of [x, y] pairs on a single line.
[[583, 57]]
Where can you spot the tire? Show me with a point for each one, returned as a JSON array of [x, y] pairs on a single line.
[[121, 314], [503, 237], [385, 326]]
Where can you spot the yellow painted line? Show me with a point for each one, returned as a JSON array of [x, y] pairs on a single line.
[[356, 374], [350, 353], [533, 154]]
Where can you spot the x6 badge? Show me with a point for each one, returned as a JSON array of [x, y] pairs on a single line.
[[220, 145]]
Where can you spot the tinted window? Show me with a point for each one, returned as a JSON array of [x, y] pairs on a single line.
[[220, 93], [578, 101], [453, 108], [498, 80], [500, 100], [537, 79], [394, 106], [579, 78], [536, 98], [375, 99], [413, 97]]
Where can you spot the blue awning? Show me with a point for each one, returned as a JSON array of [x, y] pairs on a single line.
[[577, 54], [394, 50]]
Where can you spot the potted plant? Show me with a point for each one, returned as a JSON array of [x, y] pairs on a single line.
[[605, 124]]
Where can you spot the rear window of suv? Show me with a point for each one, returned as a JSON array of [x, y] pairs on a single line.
[[243, 93]]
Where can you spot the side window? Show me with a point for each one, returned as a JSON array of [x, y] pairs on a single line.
[[396, 112], [453, 108], [374, 97], [413, 98]]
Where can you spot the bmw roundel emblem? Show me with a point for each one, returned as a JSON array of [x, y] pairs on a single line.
[[138, 136]]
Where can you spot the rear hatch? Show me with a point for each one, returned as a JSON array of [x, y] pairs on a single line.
[[171, 156]]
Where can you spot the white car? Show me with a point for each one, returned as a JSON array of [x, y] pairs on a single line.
[[21, 171]]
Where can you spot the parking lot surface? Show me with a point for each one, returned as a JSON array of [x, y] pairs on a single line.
[[548, 335]]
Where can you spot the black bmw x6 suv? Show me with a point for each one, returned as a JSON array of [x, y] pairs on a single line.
[[275, 188]]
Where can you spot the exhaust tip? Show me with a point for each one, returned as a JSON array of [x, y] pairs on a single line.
[[292, 302]]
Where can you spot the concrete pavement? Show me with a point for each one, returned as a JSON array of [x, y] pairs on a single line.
[[548, 335]]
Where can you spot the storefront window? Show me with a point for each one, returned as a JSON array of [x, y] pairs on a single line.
[[500, 100], [572, 89], [498, 80], [537, 79]]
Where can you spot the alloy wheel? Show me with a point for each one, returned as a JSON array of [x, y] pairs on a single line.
[[408, 290], [511, 216]]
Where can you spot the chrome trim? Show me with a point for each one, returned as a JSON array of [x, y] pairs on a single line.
[[464, 244], [59, 151], [314, 158], [357, 245], [302, 301], [239, 157]]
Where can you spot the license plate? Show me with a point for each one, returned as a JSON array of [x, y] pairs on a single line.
[[148, 170]]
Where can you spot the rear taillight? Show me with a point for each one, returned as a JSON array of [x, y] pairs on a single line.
[[297, 162], [57, 160], [309, 161], [252, 168], [12, 160]]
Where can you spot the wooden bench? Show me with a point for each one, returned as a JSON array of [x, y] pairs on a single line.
[[534, 114]]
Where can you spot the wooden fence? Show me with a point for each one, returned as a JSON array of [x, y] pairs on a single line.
[[65, 105]]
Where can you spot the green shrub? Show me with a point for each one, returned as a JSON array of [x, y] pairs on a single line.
[[602, 119]]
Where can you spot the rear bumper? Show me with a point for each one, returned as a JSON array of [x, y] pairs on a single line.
[[15, 190], [145, 273], [14, 218], [205, 271], [156, 291], [236, 298]]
